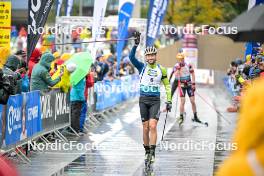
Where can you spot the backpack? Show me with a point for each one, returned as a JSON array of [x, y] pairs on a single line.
[[4, 89]]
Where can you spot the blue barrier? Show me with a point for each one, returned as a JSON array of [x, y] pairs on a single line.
[[110, 93], [1, 124], [29, 114], [33, 113], [24, 119], [13, 128]]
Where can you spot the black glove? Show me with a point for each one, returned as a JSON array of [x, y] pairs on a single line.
[[168, 106], [136, 35]]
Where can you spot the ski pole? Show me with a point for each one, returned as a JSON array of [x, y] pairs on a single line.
[[177, 96], [211, 106], [94, 41], [164, 125]]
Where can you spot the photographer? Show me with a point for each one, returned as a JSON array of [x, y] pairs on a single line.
[[12, 71], [4, 88]]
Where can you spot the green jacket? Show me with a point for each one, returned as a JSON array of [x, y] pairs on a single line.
[[40, 77], [10, 67]]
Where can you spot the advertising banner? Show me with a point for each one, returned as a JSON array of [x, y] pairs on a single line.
[[13, 128], [5, 24], [38, 11], [61, 102], [32, 112], [47, 111], [124, 15], [110, 93], [156, 13]]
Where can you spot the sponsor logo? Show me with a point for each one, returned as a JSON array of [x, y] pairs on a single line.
[[14, 116]]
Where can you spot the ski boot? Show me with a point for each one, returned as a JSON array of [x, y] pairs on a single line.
[[151, 162], [197, 120], [181, 119]]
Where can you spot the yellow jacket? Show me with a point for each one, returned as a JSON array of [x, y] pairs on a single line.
[[248, 135], [240, 164], [4, 53], [64, 84]]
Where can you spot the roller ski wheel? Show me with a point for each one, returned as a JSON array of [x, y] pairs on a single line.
[[196, 120], [181, 119], [149, 161]]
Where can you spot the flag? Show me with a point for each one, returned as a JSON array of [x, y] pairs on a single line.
[[124, 15], [250, 45], [58, 8], [156, 13], [69, 7], [98, 16], [38, 11]]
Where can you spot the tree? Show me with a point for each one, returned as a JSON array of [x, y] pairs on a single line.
[[203, 11], [232, 8]]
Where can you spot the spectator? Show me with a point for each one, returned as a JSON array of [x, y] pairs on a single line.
[[40, 77], [64, 57], [64, 84], [110, 76], [88, 85], [4, 53], [261, 67], [4, 88], [33, 60], [25, 86], [22, 55], [77, 98], [130, 69], [122, 71], [54, 64], [101, 68], [248, 155], [240, 75], [11, 71]]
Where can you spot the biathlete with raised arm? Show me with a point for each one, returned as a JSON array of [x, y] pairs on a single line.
[[151, 77]]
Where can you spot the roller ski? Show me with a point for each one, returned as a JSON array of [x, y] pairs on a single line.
[[197, 120], [180, 119], [149, 161]]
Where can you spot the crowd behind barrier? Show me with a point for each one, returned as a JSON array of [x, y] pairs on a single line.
[[34, 114], [110, 93], [241, 74]]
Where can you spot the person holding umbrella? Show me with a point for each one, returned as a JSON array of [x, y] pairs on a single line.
[[82, 62]]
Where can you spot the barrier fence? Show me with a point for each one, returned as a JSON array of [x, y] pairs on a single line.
[[110, 93], [34, 114]]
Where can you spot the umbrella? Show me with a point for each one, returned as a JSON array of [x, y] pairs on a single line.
[[250, 25], [83, 61]]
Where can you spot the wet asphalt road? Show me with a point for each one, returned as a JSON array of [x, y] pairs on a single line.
[[118, 145]]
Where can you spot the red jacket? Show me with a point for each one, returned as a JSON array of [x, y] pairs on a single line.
[[89, 84], [33, 60], [262, 74]]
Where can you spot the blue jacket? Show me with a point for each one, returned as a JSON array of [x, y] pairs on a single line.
[[77, 91], [139, 65]]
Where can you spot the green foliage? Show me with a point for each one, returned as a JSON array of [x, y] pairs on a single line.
[[144, 11], [203, 11]]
